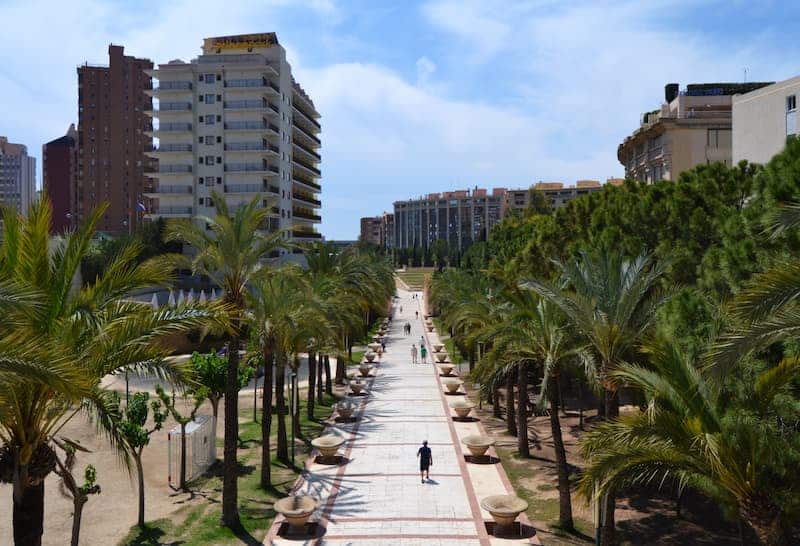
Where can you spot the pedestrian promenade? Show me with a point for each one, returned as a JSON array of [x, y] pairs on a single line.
[[374, 497]]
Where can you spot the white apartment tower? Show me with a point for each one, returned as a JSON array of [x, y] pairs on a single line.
[[17, 176], [235, 121]]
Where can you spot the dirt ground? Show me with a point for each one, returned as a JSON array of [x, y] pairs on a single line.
[[646, 518], [107, 517]]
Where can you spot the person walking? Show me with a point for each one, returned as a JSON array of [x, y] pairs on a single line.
[[416, 313], [425, 461], [383, 345], [413, 354], [423, 353], [401, 308]]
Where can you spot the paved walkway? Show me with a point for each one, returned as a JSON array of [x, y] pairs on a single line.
[[375, 497]]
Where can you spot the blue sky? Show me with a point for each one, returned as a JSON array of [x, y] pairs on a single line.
[[421, 96]]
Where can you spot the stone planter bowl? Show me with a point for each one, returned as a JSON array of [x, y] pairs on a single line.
[[446, 369], [430, 327], [296, 510], [374, 346], [370, 356], [438, 347], [452, 385], [364, 370], [377, 338], [441, 357], [345, 410], [477, 444], [504, 510], [356, 387], [327, 445], [462, 409]]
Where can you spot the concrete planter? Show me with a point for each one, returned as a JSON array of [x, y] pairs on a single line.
[[374, 346], [477, 444], [430, 327], [364, 370], [297, 510], [438, 347], [504, 510], [327, 445], [452, 385], [462, 408], [377, 338], [345, 410], [356, 388], [446, 369], [441, 357], [370, 356]]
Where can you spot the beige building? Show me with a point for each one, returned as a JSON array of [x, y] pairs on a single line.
[[692, 127], [235, 121], [556, 193], [17, 176], [763, 119]]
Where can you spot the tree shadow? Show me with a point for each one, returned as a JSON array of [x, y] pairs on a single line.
[[150, 536]]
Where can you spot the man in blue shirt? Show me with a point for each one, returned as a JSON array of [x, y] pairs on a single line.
[[425, 461]]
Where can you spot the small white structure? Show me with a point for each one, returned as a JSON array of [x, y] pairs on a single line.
[[201, 449]]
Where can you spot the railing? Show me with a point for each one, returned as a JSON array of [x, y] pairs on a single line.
[[174, 127], [250, 125], [248, 82], [706, 114], [305, 234], [249, 167], [167, 86], [174, 106], [250, 146], [174, 168], [173, 189], [305, 199], [244, 188], [307, 134], [306, 215], [174, 148], [273, 87], [241, 104], [309, 167], [172, 210], [306, 150], [307, 118], [301, 180]]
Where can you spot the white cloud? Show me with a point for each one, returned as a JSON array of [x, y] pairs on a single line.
[[425, 69]]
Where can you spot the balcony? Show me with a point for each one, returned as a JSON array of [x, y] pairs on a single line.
[[301, 165], [245, 104], [173, 189], [246, 82], [250, 167], [303, 150], [244, 188], [306, 182], [305, 199], [251, 126], [303, 133], [300, 234], [174, 169], [166, 148], [173, 86], [307, 215], [173, 127], [251, 147], [171, 211], [174, 107], [302, 115]]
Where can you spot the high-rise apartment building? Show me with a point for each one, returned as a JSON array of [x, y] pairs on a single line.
[[457, 217], [763, 119], [692, 127], [59, 173], [378, 230], [17, 176], [113, 136], [555, 193], [234, 121]]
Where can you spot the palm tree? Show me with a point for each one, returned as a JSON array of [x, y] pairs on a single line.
[[611, 304], [231, 250], [729, 442], [58, 341]]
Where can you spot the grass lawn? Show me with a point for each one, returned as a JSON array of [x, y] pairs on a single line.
[[414, 277], [449, 344], [198, 522]]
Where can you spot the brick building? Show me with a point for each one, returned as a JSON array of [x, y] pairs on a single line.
[[59, 172]]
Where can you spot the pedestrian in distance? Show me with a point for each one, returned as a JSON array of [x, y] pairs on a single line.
[[413, 354], [401, 308], [383, 345], [423, 353], [425, 461], [416, 313]]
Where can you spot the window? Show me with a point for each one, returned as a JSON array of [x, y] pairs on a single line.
[[219, 160], [791, 115], [200, 180], [200, 118], [219, 139], [219, 118], [209, 160], [209, 120], [200, 201], [719, 138], [209, 99], [791, 103], [209, 140], [208, 78], [219, 180]]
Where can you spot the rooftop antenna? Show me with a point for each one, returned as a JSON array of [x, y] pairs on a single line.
[[745, 74]]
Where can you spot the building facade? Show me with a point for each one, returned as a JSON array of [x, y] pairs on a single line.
[[17, 176], [59, 178], [692, 127], [113, 137], [235, 122], [763, 119], [378, 230], [457, 217], [555, 193]]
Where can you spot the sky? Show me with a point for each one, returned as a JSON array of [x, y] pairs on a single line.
[[421, 96]]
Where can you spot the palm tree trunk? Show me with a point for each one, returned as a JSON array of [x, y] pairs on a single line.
[[137, 457], [608, 532], [328, 383], [522, 410], [183, 458], [511, 418], [496, 402], [312, 384], [77, 514], [282, 450], [266, 420], [28, 516], [230, 470], [564, 495], [340, 371], [765, 519], [296, 407]]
